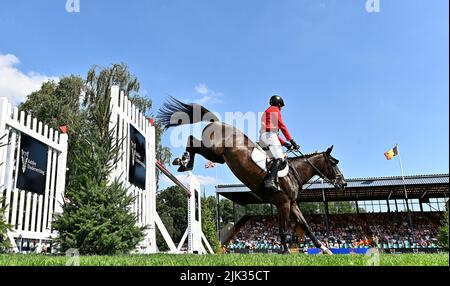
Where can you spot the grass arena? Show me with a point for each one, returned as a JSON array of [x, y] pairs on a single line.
[[441, 259]]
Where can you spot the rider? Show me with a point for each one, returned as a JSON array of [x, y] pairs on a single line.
[[271, 123]]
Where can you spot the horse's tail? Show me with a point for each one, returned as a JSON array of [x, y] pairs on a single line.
[[176, 113]]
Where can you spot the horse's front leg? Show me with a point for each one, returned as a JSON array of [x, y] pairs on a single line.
[[283, 223], [307, 229], [193, 147], [186, 162]]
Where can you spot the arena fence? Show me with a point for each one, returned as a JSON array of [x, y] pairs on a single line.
[[32, 175]]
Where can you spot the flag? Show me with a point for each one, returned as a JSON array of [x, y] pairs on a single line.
[[64, 129], [209, 165], [391, 153]]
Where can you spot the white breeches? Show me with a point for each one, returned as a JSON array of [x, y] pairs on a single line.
[[270, 139]]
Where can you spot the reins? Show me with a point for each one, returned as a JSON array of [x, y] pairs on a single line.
[[321, 175]]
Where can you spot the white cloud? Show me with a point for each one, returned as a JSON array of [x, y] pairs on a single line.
[[202, 89], [208, 96], [207, 180], [16, 85], [203, 180], [183, 178]]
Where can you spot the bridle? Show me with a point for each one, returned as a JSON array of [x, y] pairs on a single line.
[[329, 165]]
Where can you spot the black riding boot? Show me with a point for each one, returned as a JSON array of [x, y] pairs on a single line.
[[269, 183]]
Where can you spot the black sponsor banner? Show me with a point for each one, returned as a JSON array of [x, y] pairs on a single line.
[[137, 162], [32, 165]]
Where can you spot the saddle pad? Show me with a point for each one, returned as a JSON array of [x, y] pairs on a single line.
[[260, 159]]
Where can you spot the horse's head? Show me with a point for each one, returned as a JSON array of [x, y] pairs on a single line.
[[331, 170]]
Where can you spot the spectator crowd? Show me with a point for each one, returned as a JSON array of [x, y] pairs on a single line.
[[389, 230]]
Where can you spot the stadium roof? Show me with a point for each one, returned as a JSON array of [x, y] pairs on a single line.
[[421, 187]]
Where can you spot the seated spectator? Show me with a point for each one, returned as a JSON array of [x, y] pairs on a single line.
[[390, 230]]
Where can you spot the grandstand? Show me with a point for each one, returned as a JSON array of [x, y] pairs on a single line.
[[404, 216]]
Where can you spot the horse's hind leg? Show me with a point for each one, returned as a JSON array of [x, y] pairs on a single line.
[[283, 225], [195, 146], [300, 219]]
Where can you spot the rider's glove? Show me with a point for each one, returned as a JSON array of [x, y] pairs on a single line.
[[287, 145], [295, 145]]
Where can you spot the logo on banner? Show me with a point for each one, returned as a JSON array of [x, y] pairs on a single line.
[[133, 153], [24, 160]]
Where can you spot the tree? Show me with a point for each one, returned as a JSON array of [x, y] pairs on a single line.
[[167, 220], [258, 209], [98, 82], [56, 104], [172, 203], [342, 207], [209, 225], [443, 231], [226, 211], [4, 227], [97, 217], [310, 208]]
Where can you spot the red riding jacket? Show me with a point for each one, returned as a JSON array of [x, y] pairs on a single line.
[[271, 121]]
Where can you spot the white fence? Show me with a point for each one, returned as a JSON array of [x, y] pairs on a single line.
[[30, 213], [125, 115]]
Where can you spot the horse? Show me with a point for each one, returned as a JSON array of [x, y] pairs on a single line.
[[224, 144]]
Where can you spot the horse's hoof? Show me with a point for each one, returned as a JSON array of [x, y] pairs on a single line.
[[184, 169], [326, 250], [186, 156], [176, 162]]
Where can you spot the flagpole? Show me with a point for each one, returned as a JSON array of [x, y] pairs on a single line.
[[404, 187]]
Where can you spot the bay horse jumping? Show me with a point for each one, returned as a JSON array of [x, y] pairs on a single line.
[[222, 143]]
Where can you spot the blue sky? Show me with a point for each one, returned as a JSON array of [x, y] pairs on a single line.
[[361, 81]]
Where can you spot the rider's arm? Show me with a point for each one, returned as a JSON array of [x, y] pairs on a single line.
[[283, 129]]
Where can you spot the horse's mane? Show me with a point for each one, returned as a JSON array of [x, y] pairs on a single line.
[[304, 156]]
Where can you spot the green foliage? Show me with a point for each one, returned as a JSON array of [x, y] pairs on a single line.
[[100, 79], [4, 227], [118, 74], [226, 211], [342, 207], [333, 208], [311, 208], [209, 222], [91, 154], [167, 220], [172, 204], [443, 231], [97, 220], [259, 209], [56, 104]]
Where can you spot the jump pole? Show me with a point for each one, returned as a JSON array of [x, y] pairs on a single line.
[[194, 233]]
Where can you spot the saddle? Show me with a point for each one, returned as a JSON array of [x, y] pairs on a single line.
[[261, 157]]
